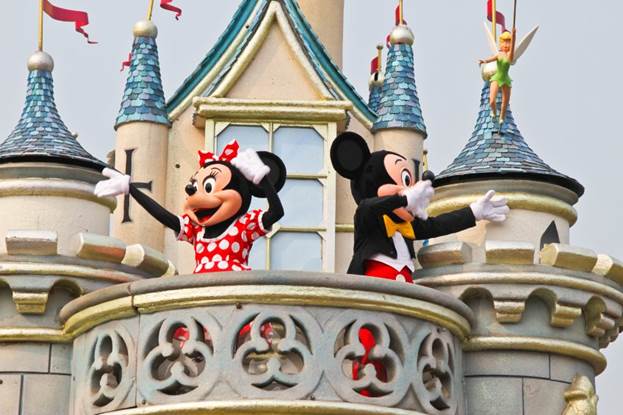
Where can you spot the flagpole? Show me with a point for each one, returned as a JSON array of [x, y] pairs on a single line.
[[494, 13], [40, 25], [150, 10], [514, 32], [379, 49], [400, 5]]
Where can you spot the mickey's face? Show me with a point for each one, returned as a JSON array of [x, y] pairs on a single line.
[[213, 196], [400, 171]]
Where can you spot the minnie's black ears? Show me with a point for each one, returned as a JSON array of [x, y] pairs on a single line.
[[277, 175], [349, 154]]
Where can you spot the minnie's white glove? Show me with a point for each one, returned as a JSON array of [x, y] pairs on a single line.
[[251, 166], [117, 184], [488, 209], [418, 198]]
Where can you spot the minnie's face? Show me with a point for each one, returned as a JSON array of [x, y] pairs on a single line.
[[209, 200], [399, 169]]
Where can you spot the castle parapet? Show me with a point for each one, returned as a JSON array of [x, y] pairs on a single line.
[[541, 318], [267, 343]]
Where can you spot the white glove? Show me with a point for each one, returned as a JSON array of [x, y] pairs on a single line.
[[418, 198], [488, 209], [250, 165], [117, 184]]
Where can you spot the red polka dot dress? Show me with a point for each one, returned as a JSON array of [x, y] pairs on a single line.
[[230, 250]]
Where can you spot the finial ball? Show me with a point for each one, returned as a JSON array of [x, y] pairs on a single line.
[[145, 28], [40, 61], [401, 35]]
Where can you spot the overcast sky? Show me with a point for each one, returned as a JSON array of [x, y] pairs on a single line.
[[567, 95]]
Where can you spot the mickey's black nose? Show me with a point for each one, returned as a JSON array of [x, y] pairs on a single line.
[[190, 189]]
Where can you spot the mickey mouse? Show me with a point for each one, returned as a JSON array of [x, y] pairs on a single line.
[[391, 209], [216, 219]]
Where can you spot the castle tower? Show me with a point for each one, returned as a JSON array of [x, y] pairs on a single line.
[[376, 82], [541, 198], [53, 249], [400, 126], [543, 308], [142, 132], [326, 18]]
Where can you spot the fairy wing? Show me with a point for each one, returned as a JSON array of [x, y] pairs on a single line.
[[491, 40], [523, 45]]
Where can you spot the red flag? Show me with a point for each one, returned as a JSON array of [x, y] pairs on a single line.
[[397, 18], [79, 18], [166, 4], [499, 17], [126, 64], [374, 65], [388, 42]]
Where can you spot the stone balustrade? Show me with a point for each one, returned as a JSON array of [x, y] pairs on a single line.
[[267, 343]]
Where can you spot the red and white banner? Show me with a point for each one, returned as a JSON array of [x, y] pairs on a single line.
[[166, 4]]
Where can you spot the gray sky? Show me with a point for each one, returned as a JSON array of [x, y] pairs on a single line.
[[568, 115]]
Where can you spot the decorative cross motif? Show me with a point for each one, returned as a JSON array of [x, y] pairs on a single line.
[[140, 185]]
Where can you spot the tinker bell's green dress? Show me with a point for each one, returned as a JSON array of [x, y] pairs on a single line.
[[501, 75]]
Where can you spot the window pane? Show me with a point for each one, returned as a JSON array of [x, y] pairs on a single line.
[[302, 149], [302, 202], [296, 251], [248, 136], [257, 257]]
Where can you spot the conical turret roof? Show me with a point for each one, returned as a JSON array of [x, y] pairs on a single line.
[[497, 153], [41, 134], [399, 105], [143, 98]]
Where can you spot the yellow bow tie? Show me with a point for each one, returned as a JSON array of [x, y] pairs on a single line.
[[392, 227]]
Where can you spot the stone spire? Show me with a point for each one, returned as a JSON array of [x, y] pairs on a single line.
[[399, 106], [143, 99], [503, 154], [41, 134]]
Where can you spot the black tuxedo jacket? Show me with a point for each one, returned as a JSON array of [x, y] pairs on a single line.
[[371, 236]]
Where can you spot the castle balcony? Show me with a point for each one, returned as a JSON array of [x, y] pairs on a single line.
[[267, 343]]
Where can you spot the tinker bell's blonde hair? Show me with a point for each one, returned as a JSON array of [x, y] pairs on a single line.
[[506, 36]]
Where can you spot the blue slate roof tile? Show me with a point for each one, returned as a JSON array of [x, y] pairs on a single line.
[[41, 134], [495, 152], [399, 105], [143, 98], [375, 97]]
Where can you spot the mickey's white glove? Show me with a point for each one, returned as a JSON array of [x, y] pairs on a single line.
[[488, 209], [251, 166], [117, 184], [418, 198]]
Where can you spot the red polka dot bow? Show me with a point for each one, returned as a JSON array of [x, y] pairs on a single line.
[[229, 153]]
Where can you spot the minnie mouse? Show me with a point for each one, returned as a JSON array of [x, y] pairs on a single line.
[[216, 219], [391, 209]]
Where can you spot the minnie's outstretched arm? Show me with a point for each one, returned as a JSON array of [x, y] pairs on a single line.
[[118, 184], [275, 208]]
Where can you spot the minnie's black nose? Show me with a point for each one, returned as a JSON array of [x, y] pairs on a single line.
[[190, 189]]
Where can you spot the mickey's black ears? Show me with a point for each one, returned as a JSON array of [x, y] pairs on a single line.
[[277, 175], [349, 154]]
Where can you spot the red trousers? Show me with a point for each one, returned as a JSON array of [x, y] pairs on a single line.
[[381, 270]]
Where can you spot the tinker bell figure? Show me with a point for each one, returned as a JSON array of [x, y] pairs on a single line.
[[496, 68]]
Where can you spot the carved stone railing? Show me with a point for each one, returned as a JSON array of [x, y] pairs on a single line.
[[267, 343]]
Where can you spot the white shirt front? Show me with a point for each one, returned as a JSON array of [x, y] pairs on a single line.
[[403, 258]]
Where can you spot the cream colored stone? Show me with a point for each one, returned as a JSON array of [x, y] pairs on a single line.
[[609, 267], [275, 73], [569, 257], [65, 216], [98, 247], [448, 253], [326, 18], [146, 259], [42, 243], [514, 253], [149, 161], [343, 251]]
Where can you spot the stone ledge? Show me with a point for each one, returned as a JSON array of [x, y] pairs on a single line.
[[446, 253], [512, 253], [31, 242], [568, 257]]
